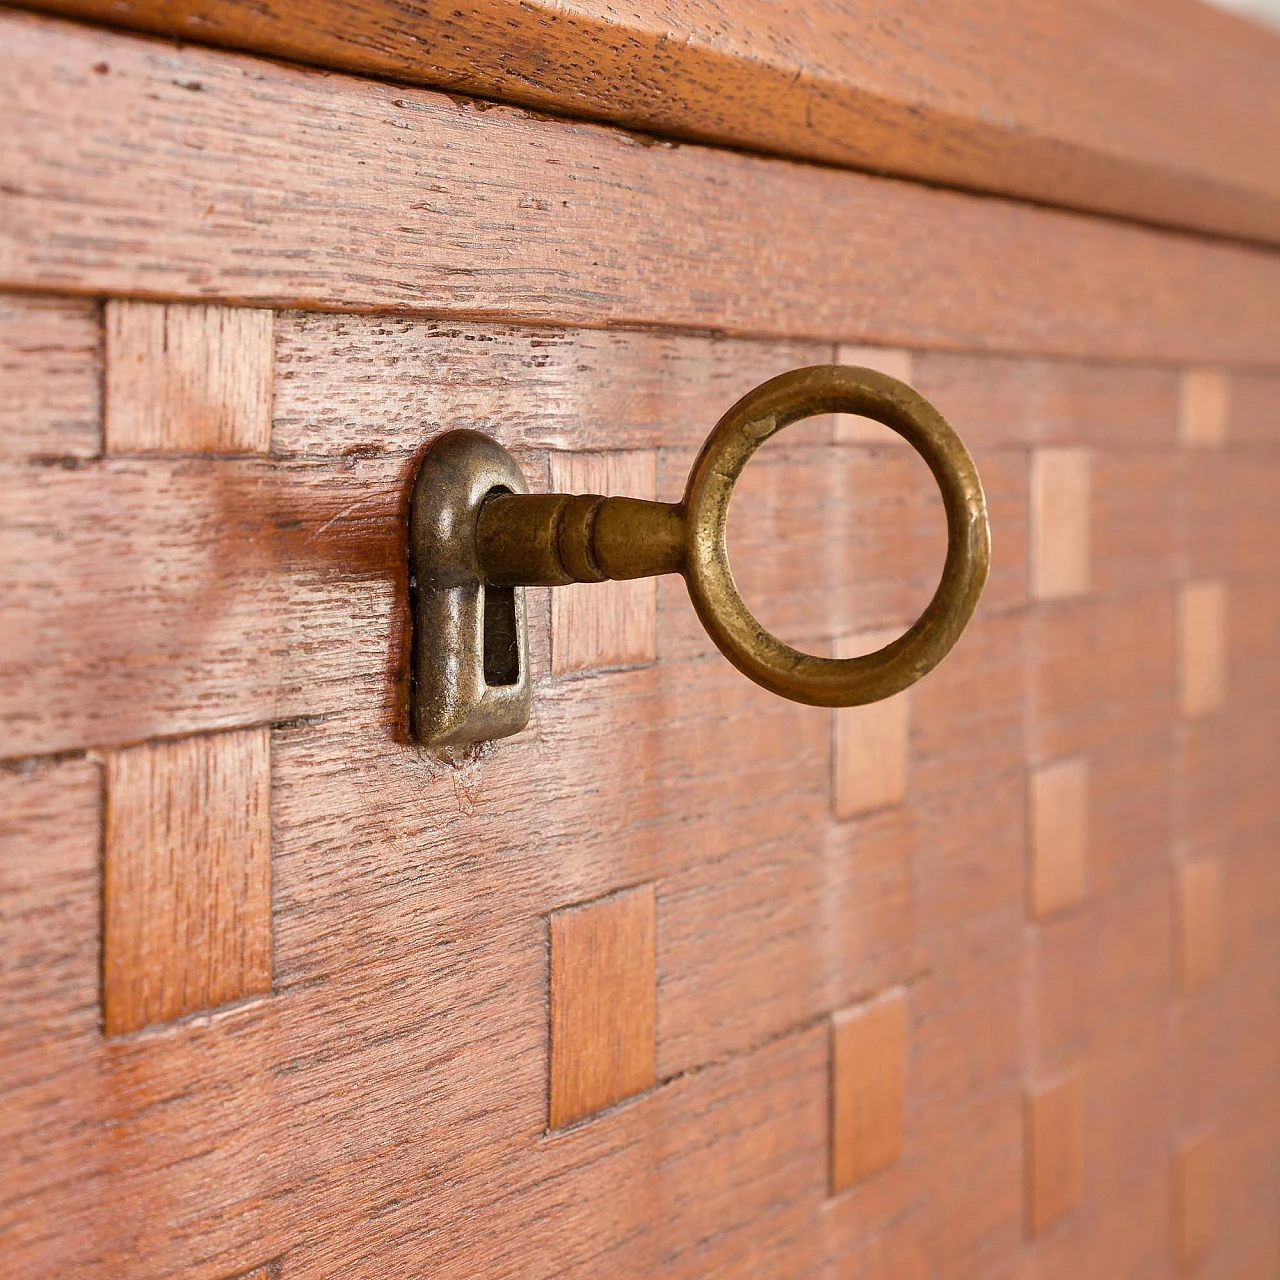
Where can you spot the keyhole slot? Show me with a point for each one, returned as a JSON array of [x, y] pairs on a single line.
[[501, 641]]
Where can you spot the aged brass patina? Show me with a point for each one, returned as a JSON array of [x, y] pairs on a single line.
[[470, 653], [519, 539]]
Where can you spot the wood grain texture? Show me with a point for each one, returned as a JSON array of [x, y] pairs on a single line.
[[186, 877], [604, 624], [995, 401], [1195, 1178], [1204, 406], [50, 376], [536, 219], [1159, 113], [825, 543], [1202, 647], [1199, 889], [187, 379], [348, 385], [386, 1110], [195, 590], [214, 593], [1059, 872], [50, 842], [1055, 1146], [50, 906], [1060, 523], [1254, 410], [868, 1087], [409, 895], [602, 1003], [872, 744]]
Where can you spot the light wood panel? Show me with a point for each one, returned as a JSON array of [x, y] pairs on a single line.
[[1060, 523], [50, 905], [524, 210], [602, 1003], [187, 378], [186, 877], [1202, 647], [868, 1086], [1195, 1178], [1055, 1151], [194, 589], [1204, 406], [1199, 888], [871, 744], [994, 400], [1059, 871], [51, 375], [1169, 125], [604, 624]]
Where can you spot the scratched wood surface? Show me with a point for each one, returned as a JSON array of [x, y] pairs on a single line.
[[383, 1109], [1159, 110], [151, 171]]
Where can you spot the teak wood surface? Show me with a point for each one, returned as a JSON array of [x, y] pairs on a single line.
[[138, 169], [1162, 111], [683, 980]]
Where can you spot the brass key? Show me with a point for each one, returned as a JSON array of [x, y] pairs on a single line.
[[478, 537]]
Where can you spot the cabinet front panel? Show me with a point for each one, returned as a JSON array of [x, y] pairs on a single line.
[[682, 979]]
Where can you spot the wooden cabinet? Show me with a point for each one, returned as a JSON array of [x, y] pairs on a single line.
[[683, 979]]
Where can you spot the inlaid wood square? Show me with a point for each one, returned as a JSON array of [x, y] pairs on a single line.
[[1204, 405], [1060, 520], [186, 378], [1199, 921], [868, 1072], [603, 1000], [1202, 647], [186, 876], [1195, 1176], [1055, 1151], [604, 624], [896, 362], [871, 746], [1059, 808]]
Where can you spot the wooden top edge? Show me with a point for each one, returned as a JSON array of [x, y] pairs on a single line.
[[134, 168], [1161, 111]]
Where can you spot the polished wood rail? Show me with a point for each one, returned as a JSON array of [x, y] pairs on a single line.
[[1163, 111]]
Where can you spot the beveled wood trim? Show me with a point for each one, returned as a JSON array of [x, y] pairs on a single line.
[[150, 171], [1165, 112]]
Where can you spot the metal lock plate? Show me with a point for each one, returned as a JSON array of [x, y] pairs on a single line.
[[470, 642]]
